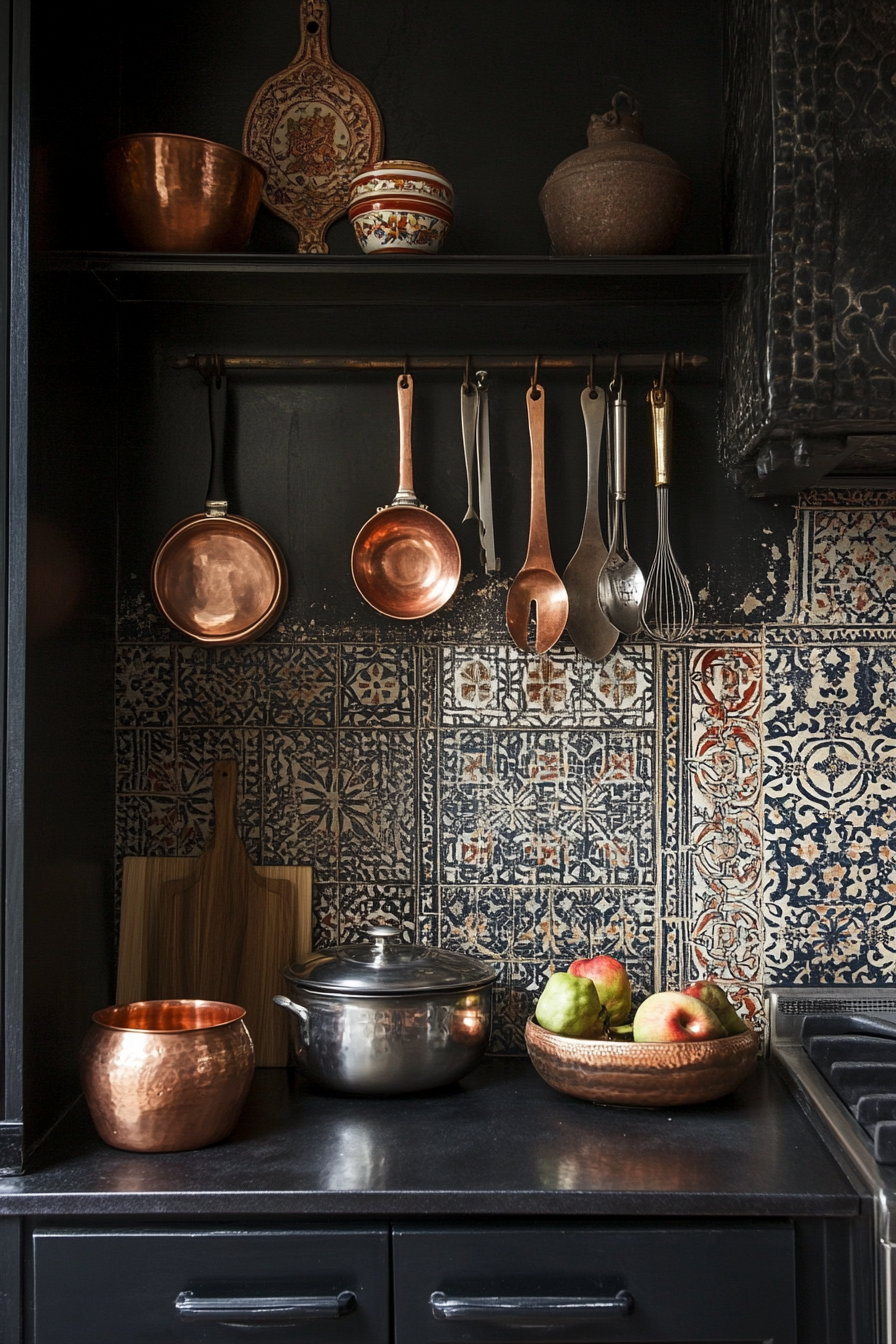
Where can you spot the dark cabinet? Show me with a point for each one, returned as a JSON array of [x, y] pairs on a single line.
[[659, 1283], [314, 1283]]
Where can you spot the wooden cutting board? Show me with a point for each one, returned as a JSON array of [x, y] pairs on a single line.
[[312, 127], [216, 927]]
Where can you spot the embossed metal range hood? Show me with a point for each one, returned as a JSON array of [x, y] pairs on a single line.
[[809, 390]]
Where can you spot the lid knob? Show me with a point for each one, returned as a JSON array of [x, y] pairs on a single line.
[[381, 933]]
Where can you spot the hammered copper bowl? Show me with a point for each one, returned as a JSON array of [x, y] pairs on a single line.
[[166, 1075], [178, 193], [624, 1073]]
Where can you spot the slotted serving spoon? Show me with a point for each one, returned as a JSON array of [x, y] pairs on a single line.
[[588, 627], [538, 584], [621, 583]]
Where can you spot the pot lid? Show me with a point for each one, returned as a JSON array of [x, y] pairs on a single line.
[[387, 966]]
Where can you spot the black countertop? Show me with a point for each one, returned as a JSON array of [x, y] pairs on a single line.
[[500, 1142]]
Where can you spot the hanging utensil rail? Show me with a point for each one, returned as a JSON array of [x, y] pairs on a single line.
[[675, 362]]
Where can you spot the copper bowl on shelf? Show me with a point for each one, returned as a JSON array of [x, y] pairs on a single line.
[[179, 193], [165, 1075], [626, 1073]]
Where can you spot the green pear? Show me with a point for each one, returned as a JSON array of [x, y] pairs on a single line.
[[570, 1006], [714, 996]]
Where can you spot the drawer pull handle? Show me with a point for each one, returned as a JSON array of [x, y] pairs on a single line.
[[529, 1308], [263, 1310]]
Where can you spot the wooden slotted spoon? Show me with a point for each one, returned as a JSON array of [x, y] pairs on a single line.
[[538, 584]]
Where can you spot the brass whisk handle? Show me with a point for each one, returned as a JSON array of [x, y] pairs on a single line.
[[660, 399]]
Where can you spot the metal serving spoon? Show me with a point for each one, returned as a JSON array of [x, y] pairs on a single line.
[[588, 627], [621, 583], [538, 584]]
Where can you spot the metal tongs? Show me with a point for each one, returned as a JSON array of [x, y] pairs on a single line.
[[477, 454]]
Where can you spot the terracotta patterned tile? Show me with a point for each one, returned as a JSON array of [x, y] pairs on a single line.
[[361, 905], [144, 685], [301, 684], [377, 805], [721, 889], [428, 770], [198, 823], [378, 685], [572, 807], [148, 824], [324, 915], [847, 561], [200, 748], [830, 809], [301, 799], [145, 760], [222, 686], [477, 921]]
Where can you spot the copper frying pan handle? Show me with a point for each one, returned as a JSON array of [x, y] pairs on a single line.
[[405, 453], [216, 495]]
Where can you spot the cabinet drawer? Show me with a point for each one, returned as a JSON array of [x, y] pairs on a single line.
[[123, 1286], [681, 1282]]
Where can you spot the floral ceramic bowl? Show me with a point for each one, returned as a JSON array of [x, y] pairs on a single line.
[[401, 206], [624, 1073]]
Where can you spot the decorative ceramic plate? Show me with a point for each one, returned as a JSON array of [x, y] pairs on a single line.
[[313, 128], [625, 1073]]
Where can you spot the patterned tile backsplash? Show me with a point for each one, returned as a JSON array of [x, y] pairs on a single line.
[[720, 808]]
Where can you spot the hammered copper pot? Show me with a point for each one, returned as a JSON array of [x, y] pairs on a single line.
[[627, 1073], [166, 1075], [179, 193]]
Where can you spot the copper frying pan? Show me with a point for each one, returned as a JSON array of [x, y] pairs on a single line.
[[217, 577], [405, 561]]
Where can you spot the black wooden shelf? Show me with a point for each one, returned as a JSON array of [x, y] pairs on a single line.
[[254, 278]]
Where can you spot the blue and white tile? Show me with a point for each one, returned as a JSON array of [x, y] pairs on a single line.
[[144, 686], [200, 748], [145, 760], [378, 685], [847, 559], [477, 921], [222, 686], [301, 799], [324, 915], [519, 808], [363, 904], [830, 808], [621, 689], [301, 685], [377, 805]]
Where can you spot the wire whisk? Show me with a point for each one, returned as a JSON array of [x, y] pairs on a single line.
[[667, 607]]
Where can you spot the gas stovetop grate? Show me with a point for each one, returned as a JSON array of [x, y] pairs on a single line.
[[793, 1007]]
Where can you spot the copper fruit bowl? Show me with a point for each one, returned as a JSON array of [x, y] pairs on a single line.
[[624, 1073], [165, 1075], [177, 193]]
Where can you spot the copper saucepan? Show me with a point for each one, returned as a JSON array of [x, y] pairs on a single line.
[[405, 561], [217, 577]]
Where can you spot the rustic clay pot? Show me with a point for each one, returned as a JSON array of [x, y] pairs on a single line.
[[616, 196], [625, 1073]]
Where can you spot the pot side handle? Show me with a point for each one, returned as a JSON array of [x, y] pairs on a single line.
[[301, 1013]]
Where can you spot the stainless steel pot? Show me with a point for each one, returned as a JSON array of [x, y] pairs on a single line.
[[387, 1016]]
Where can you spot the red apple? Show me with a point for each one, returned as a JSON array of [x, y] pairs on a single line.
[[671, 1016], [614, 989], [712, 994]]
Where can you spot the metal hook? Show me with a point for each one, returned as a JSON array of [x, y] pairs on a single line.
[[616, 380], [662, 382], [534, 382], [590, 379], [467, 388], [406, 370]]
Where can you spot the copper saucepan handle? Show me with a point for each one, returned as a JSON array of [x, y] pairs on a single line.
[[216, 495], [405, 451]]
